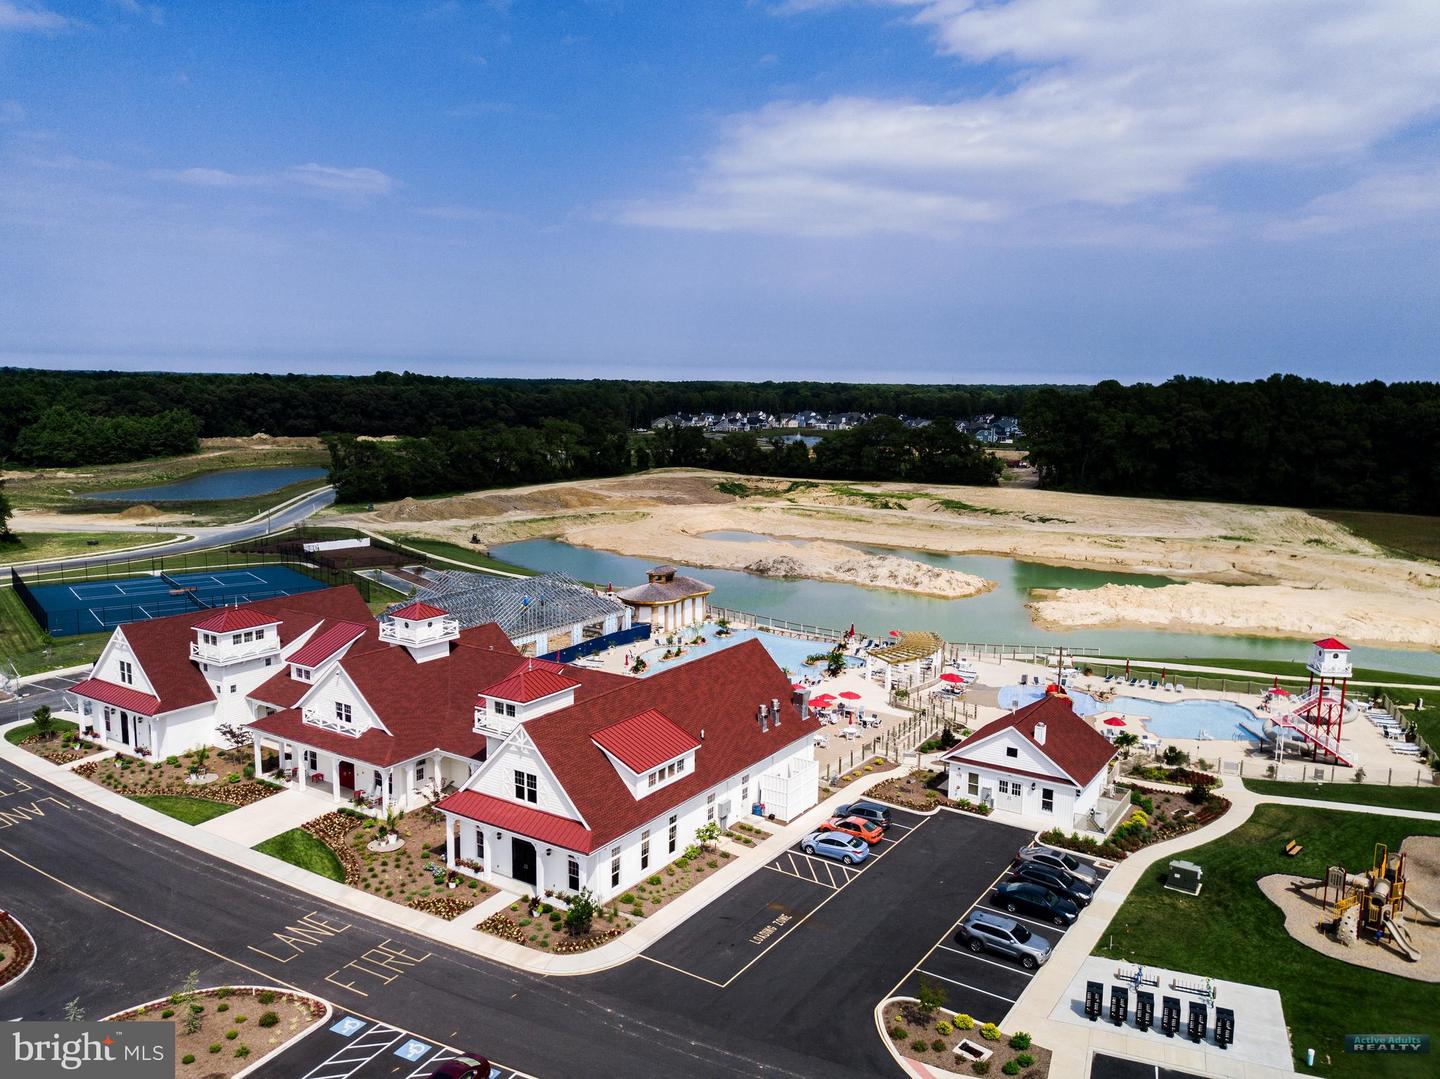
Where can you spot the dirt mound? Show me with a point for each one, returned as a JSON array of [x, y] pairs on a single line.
[[780, 566], [546, 500], [141, 512]]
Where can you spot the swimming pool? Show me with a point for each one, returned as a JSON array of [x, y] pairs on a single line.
[[1192, 719], [1013, 697], [788, 652]]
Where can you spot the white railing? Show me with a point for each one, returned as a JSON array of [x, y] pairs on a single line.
[[394, 633], [499, 726], [317, 718], [226, 653]]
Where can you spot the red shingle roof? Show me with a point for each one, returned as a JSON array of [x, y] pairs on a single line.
[[162, 645], [230, 619], [329, 639], [536, 679], [132, 700], [1331, 642], [418, 610], [1071, 744], [645, 741], [525, 819]]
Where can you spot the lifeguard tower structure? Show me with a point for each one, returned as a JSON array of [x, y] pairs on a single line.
[[1318, 714]]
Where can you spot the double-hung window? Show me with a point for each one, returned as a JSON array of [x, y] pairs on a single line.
[[1047, 800], [127, 672], [526, 787], [645, 850], [342, 713], [674, 831], [614, 867]]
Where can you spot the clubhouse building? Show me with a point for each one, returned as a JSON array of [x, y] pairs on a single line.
[[549, 775]]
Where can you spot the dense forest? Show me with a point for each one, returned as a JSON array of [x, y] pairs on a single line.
[[1284, 440], [501, 456], [410, 404]]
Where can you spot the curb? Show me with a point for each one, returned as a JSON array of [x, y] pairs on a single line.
[[34, 952], [180, 537]]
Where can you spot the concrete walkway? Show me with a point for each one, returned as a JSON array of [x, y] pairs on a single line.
[[270, 816]]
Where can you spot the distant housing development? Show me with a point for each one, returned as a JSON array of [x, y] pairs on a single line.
[[985, 427]]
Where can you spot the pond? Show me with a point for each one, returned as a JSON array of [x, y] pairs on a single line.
[[214, 486], [997, 617]]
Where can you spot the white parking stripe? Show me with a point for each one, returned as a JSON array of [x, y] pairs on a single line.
[[1003, 966], [797, 876], [966, 985], [1029, 921], [346, 1056]]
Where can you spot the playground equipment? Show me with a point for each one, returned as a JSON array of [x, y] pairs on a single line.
[[1317, 717], [1371, 905]]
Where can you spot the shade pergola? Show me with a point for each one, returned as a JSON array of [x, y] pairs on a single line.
[[905, 660]]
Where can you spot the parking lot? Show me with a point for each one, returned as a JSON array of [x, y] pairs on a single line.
[[983, 986], [351, 1047], [1104, 1066], [754, 916]]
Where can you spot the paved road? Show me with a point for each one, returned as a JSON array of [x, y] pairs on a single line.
[[31, 695], [209, 536]]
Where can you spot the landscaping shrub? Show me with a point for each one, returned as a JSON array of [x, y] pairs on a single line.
[[1020, 1040], [222, 1007], [1025, 1060], [938, 1045], [215, 1047], [188, 1058], [964, 1022], [944, 1027], [231, 1035], [980, 1067], [265, 996], [242, 1052], [1010, 1068], [167, 1013], [919, 1045], [269, 1019], [990, 1032], [628, 899], [899, 1033]]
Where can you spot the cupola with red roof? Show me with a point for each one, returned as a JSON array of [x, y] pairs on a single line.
[[535, 688], [233, 634], [425, 630], [1330, 659]]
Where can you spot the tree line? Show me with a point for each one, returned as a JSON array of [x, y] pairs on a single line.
[[68, 436], [366, 470], [1284, 440]]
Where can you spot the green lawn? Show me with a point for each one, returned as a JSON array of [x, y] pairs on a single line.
[[303, 849], [1286, 667], [1427, 719], [47, 546], [1232, 931], [24, 644], [1426, 799], [189, 810], [1405, 533], [467, 555], [16, 735]]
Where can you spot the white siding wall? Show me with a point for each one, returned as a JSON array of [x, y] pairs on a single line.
[[185, 730], [337, 688], [499, 778], [107, 668]]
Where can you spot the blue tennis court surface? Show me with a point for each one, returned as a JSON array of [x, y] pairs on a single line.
[[97, 605]]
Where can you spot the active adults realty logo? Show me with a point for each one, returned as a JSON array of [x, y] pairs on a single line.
[[104, 1050]]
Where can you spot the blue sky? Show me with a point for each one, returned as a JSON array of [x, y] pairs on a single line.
[[936, 190]]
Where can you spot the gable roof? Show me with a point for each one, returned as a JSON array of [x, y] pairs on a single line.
[[716, 694], [1075, 748], [418, 610], [162, 645], [525, 819], [534, 679], [329, 639], [230, 619], [132, 700], [645, 741]]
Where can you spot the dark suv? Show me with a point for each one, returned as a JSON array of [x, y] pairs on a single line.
[[1057, 880], [876, 814], [982, 931]]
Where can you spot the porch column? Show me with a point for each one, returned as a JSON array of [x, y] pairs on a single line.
[[436, 763], [298, 756], [385, 790], [257, 756], [449, 841], [335, 779], [539, 869]]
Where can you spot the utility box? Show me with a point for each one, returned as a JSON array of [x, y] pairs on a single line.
[[1094, 1000], [1144, 1009], [1184, 877]]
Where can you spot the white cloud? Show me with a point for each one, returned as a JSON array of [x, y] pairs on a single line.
[[1110, 106], [330, 180], [1388, 197], [27, 17], [199, 177]]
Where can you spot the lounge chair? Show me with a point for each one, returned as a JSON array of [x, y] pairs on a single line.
[[1293, 848], [1179, 687]]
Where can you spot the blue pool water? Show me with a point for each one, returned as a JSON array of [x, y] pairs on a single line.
[[229, 483], [788, 652], [1013, 697], [1191, 719]]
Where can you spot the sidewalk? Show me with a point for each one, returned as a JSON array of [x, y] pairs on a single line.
[[461, 932], [268, 817]]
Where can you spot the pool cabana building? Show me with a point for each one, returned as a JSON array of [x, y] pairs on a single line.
[[912, 658], [668, 600]]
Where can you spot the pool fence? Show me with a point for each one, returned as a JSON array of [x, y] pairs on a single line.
[[897, 744]]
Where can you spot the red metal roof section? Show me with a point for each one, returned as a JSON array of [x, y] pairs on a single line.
[[229, 619], [645, 741], [418, 610], [534, 680], [132, 700], [517, 817], [331, 638], [1331, 642], [1071, 744]]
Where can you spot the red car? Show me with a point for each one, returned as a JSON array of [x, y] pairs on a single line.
[[465, 1066], [856, 826]]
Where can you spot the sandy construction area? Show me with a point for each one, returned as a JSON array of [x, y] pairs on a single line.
[[1308, 574]]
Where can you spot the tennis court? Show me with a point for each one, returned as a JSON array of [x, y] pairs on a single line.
[[97, 605]]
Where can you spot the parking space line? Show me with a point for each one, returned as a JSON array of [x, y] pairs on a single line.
[[338, 1061], [1051, 926], [797, 876], [445, 1053], [963, 985], [682, 970], [972, 955]]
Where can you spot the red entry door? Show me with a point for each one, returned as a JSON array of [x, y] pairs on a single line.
[[347, 774]]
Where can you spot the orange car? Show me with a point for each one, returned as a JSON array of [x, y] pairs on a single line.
[[856, 826]]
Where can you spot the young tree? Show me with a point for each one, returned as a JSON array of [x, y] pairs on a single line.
[[6, 536], [931, 995], [184, 999], [581, 913], [73, 1012], [835, 664], [706, 834], [235, 735], [1126, 742], [44, 721]]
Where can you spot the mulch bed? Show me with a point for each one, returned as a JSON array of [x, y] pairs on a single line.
[[59, 750], [915, 1035], [1171, 814], [414, 876], [860, 771], [16, 950], [236, 1028], [127, 776], [922, 790]]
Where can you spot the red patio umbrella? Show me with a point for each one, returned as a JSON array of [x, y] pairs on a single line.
[[797, 686], [824, 698], [951, 676], [850, 695], [894, 633], [1280, 692], [1114, 721]]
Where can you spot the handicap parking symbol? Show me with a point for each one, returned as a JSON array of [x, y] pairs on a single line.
[[348, 1026], [413, 1050]]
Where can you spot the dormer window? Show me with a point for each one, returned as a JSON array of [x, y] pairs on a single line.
[[342, 713], [301, 674]]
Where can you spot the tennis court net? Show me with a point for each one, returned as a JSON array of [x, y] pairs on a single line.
[[187, 590]]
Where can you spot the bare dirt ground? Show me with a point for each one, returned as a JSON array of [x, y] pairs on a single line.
[[1303, 910], [1309, 575]]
